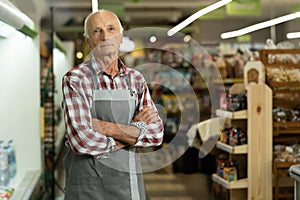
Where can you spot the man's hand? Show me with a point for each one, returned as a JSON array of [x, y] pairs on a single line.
[[119, 145], [147, 115]]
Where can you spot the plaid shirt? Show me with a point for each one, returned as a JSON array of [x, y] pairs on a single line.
[[78, 89]]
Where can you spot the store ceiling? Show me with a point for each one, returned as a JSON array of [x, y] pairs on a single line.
[[68, 15]]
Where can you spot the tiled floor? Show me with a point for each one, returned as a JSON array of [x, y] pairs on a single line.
[[177, 186], [162, 185]]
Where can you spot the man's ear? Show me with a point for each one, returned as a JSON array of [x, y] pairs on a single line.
[[121, 38]]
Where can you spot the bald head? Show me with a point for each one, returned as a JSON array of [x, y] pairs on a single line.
[[102, 15]]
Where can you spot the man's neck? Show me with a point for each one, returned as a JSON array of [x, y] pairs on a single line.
[[109, 65]]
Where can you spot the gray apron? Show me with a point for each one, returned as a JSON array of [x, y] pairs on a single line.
[[116, 176]]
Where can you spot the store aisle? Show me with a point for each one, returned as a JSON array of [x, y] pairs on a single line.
[[179, 186]]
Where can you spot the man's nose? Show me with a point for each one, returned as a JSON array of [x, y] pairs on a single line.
[[105, 35]]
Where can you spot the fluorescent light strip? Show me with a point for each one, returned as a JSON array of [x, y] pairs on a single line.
[[259, 26], [196, 15], [95, 7], [14, 17], [293, 35]]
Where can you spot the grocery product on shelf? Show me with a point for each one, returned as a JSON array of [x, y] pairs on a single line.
[[4, 170], [5, 192], [12, 166]]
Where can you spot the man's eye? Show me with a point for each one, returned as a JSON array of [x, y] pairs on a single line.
[[111, 28], [97, 31]]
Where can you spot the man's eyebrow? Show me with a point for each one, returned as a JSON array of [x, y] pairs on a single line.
[[110, 25]]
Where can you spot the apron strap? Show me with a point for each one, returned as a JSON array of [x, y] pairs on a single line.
[[127, 83], [96, 80]]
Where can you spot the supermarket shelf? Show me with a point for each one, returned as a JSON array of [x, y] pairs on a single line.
[[284, 132], [238, 184], [229, 81], [240, 149], [284, 86], [24, 184], [241, 114], [285, 181], [288, 65], [286, 124], [284, 165]]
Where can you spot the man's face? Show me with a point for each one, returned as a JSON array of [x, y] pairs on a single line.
[[104, 33]]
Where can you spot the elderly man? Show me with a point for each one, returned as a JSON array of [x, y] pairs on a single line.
[[108, 113]]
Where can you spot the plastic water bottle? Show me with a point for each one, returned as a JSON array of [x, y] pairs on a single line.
[[11, 153], [4, 173]]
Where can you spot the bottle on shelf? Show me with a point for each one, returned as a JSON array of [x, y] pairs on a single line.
[[4, 173], [11, 153]]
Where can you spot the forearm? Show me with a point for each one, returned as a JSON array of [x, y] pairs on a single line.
[[124, 133]]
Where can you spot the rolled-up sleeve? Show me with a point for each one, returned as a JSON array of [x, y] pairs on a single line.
[[151, 134], [78, 120]]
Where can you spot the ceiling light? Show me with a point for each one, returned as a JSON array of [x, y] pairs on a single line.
[[12, 16], [153, 39], [187, 38], [293, 35], [79, 55], [95, 7], [259, 26], [196, 15]]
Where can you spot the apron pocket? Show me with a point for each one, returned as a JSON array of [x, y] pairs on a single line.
[[83, 182], [81, 171], [89, 188]]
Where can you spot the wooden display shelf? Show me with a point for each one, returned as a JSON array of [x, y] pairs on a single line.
[[284, 87], [288, 65], [258, 184], [284, 165], [240, 149], [238, 184], [278, 85], [286, 139], [241, 114], [286, 103], [281, 128], [283, 132], [229, 81], [290, 131], [286, 124], [281, 51], [281, 179], [264, 56]]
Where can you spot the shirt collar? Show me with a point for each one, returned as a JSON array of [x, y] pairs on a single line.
[[99, 69]]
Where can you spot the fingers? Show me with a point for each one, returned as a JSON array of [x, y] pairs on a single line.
[[119, 145], [142, 114], [148, 115]]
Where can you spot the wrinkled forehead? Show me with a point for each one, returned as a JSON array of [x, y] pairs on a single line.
[[103, 20]]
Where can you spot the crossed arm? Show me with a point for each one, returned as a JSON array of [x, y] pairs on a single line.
[[125, 135]]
